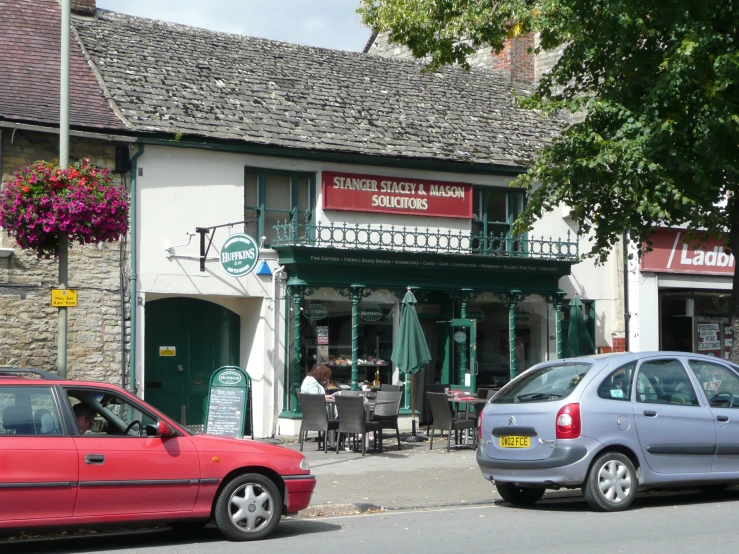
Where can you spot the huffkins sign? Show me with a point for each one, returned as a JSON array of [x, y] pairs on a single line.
[[396, 195]]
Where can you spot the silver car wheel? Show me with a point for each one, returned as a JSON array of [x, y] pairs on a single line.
[[614, 481], [251, 507]]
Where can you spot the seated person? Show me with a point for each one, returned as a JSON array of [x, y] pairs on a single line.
[[317, 380], [85, 416]]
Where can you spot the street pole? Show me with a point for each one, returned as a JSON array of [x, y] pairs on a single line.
[[63, 162]]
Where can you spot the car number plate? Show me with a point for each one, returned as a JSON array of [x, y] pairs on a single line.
[[515, 442]]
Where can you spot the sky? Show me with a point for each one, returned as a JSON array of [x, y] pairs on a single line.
[[326, 23]]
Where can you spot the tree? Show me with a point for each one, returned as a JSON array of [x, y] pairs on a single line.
[[657, 84]]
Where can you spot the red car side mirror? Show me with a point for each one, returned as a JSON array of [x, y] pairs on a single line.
[[164, 429]]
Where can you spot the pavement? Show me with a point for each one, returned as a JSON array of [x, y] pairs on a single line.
[[412, 478]]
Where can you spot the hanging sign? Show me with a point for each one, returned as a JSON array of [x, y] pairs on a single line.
[[314, 312], [460, 336], [396, 195], [370, 313], [475, 313], [239, 255]]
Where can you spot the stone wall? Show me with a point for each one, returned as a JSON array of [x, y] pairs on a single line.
[[28, 324]]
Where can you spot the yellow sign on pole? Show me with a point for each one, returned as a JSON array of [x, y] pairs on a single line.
[[63, 298]]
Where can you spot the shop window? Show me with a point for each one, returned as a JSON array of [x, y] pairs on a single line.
[[327, 330], [274, 197], [494, 211]]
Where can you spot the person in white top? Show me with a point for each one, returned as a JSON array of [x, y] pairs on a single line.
[[317, 380]]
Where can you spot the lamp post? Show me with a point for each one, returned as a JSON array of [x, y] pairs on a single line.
[[63, 162]]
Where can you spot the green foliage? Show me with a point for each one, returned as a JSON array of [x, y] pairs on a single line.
[[656, 82]]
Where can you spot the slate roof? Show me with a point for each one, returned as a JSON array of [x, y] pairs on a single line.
[[171, 78], [30, 36]]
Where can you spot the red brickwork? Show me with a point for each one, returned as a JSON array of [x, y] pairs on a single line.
[[619, 344], [84, 7], [523, 68]]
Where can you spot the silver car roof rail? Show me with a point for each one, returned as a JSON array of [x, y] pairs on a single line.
[[47, 375]]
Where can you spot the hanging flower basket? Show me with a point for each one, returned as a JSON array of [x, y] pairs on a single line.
[[43, 200]]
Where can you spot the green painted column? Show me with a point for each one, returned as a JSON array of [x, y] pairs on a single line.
[[560, 340], [464, 367], [297, 300], [513, 298], [355, 297]]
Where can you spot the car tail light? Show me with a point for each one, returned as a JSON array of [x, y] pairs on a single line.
[[568, 422], [479, 426]]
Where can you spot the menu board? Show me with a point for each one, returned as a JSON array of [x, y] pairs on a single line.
[[226, 411], [709, 339], [322, 344]]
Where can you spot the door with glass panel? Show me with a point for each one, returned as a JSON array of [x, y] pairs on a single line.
[[463, 355]]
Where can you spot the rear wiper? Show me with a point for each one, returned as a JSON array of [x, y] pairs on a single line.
[[537, 396]]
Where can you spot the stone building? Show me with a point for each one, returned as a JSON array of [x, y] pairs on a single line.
[[356, 177], [29, 122]]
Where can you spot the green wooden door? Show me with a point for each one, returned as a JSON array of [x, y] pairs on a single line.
[[186, 340]]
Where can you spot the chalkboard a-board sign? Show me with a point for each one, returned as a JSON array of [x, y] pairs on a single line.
[[229, 400]]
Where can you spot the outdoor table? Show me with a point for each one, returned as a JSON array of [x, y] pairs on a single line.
[[467, 401]]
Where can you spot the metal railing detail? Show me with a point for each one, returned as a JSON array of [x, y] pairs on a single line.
[[407, 239]]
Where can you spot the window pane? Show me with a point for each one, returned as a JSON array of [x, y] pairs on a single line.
[[251, 190], [277, 193], [28, 412], [497, 206], [303, 202], [720, 384], [617, 386], [665, 382], [548, 384]]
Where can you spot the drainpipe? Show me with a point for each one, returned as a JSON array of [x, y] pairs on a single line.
[[134, 303], [276, 277], [627, 316]]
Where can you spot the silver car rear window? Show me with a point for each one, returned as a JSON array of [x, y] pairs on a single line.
[[547, 384]]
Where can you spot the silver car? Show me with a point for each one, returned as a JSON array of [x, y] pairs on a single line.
[[613, 424]]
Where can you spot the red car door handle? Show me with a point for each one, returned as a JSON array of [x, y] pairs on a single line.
[[94, 459]]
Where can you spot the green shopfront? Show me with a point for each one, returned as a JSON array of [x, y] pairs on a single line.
[[489, 303]]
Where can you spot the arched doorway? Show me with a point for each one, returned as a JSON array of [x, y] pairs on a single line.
[[186, 340]]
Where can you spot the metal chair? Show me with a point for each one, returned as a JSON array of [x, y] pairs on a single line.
[[353, 420], [390, 388], [315, 418], [432, 387], [387, 410], [443, 419]]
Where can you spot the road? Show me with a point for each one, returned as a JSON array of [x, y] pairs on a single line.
[[674, 522]]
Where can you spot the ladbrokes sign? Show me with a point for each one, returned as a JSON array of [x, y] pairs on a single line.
[[672, 255], [398, 195]]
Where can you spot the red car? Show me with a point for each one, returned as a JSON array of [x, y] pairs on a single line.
[[75, 453]]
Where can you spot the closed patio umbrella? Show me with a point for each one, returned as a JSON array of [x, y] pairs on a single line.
[[579, 342], [410, 352]]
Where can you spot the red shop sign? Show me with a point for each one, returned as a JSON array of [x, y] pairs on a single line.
[[396, 195], [672, 255]]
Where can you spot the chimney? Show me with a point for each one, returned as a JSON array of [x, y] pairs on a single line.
[[516, 60], [523, 69], [84, 7]]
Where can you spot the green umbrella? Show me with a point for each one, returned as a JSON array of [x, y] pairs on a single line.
[[410, 352], [579, 342]]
